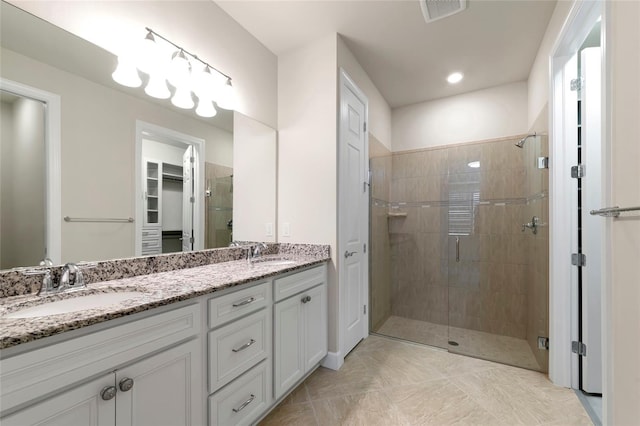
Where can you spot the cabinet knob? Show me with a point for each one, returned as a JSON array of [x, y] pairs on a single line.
[[108, 393], [125, 384], [306, 299]]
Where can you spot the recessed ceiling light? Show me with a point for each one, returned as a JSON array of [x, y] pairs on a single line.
[[474, 164], [454, 77]]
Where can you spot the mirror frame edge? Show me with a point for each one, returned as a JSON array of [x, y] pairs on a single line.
[[53, 163]]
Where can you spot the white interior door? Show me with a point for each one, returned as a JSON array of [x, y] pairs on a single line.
[[188, 199], [354, 213], [591, 131]]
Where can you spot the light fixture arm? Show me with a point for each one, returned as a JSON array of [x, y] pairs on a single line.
[[187, 52]]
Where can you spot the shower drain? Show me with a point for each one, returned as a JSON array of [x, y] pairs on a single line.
[[453, 343]]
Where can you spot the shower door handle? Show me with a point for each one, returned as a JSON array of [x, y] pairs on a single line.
[[457, 249]]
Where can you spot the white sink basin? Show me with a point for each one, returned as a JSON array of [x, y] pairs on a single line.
[[274, 261], [279, 262], [73, 304]]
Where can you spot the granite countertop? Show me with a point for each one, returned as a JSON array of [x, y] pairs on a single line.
[[157, 289]]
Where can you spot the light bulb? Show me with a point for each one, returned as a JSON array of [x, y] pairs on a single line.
[[148, 57], [455, 77], [126, 73], [157, 86], [206, 109], [179, 70], [226, 99], [182, 98]]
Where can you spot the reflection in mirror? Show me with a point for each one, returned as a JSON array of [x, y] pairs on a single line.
[[101, 166], [22, 181]]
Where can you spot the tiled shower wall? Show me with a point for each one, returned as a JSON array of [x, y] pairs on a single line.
[[499, 283]]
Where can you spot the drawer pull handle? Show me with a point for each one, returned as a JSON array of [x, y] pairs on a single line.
[[245, 346], [244, 302], [244, 404], [306, 299]]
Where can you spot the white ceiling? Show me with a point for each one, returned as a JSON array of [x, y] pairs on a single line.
[[491, 42]]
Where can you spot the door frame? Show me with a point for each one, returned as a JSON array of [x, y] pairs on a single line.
[[563, 322], [53, 161], [345, 81], [170, 137]]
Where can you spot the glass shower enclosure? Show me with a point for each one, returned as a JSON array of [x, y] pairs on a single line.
[[459, 249]]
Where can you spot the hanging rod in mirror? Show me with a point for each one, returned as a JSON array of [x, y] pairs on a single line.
[[98, 219]]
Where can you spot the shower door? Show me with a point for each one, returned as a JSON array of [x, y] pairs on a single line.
[[498, 269]]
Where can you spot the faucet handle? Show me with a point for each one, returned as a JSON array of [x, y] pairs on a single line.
[[46, 285], [79, 278]]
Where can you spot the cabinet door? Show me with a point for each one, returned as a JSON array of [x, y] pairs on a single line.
[[315, 326], [152, 187], [289, 344], [167, 389], [82, 405]]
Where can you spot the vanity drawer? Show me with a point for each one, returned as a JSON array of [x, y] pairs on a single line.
[[231, 306], [236, 347], [244, 400], [301, 281]]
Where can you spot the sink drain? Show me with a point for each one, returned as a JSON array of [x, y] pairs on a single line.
[[453, 343]]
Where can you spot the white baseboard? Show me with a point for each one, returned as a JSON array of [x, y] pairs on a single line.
[[333, 360]]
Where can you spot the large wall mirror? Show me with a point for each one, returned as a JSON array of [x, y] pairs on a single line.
[[136, 175]]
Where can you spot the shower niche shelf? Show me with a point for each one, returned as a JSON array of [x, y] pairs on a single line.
[[396, 214]]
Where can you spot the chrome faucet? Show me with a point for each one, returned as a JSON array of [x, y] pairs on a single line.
[[255, 252], [71, 277]]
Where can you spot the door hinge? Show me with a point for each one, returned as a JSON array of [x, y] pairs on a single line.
[[579, 348], [543, 343], [578, 259], [364, 248], [576, 84], [192, 159], [192, 240], [192, 199], [364, 126], [365, 309], [578, 171]]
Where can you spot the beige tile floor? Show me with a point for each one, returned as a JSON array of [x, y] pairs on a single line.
[[505, 349], [389, 382]]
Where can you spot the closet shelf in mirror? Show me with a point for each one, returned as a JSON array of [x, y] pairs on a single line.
[[170, 176], [397, 214]]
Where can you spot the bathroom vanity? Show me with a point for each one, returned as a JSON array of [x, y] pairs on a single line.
[[219, 344]]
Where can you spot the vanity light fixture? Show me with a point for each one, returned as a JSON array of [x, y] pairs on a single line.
[[166, 62], [455, 77]]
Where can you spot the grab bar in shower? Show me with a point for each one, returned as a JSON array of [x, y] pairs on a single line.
[[613, 211]]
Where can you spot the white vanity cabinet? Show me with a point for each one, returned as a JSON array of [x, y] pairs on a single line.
[[300, 326], [56, 384], [239, 355], [211, 360], [154, 391]]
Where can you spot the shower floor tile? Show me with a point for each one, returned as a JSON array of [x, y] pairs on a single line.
[[504, 349], [389, 382]]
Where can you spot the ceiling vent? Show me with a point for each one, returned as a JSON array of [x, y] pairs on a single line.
[[438, 9]]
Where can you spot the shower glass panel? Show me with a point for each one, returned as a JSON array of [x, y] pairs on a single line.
[[497, 268], [450, 264], [219, 205]]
